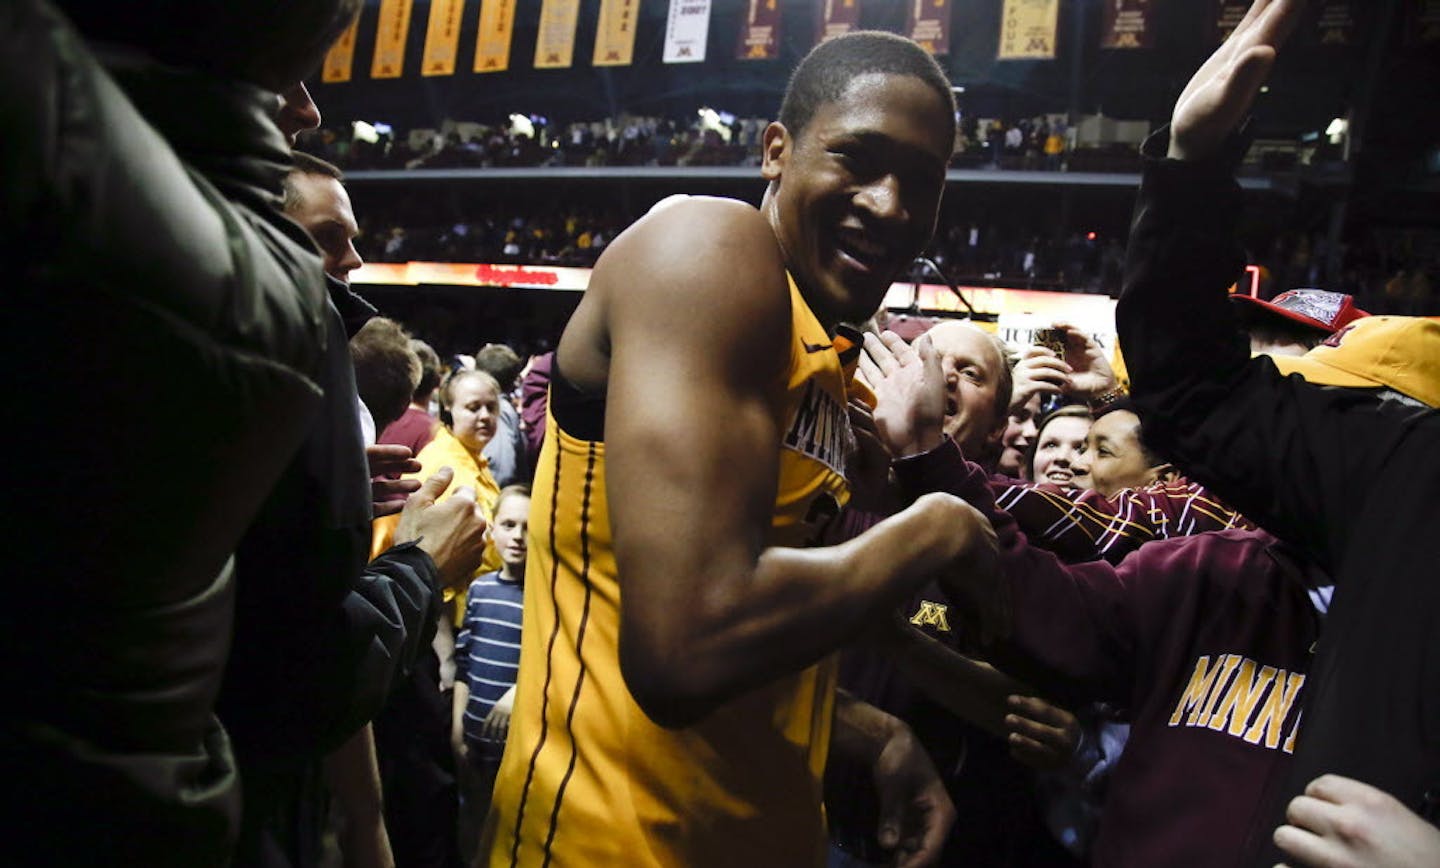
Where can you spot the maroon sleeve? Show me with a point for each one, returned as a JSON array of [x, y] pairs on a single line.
[[534, 398], [1083, 525], [1075, 629], [944, 469]]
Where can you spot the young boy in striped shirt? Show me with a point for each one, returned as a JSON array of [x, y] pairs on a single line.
[[487, 656]]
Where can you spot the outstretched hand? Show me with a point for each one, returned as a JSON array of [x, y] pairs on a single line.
[[915, 811], [1221, 92], [909, 387], [452, 533], [387, 495], [1340, 822], [1041, 735]]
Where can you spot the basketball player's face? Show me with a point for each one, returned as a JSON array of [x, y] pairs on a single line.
[[858, 191], [475, 413]]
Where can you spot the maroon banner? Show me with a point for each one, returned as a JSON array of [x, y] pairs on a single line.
[[835, 18], [1228, 15], [759, 32], [1335, 24], [929, 25], [1127, 25], [1422, 24]]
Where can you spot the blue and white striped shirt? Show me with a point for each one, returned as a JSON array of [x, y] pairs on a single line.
[[487, 654]]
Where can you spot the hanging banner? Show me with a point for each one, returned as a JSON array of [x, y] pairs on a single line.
[[686, 30], [555, 43], [341, 56], [1422, 25], [835, 18], [1127, 25], [615, 33], [1335, 25], [390, 34], [442, 37], [759, 32], [929, 25], [1027, 29], [1228, 15], [492, 44]]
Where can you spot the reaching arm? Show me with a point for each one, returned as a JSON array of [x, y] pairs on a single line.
[[915, 811], [697, 351], [1274, 447], [353, 775], [457, 719]]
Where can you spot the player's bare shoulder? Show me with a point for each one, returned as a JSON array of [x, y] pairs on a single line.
[[692, 238]]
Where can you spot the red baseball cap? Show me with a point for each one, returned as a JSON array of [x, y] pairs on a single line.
[[1324, 311]]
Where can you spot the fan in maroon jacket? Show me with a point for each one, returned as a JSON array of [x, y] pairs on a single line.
[[1205, 640]]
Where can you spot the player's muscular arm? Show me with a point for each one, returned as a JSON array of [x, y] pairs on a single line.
[[698, 316]]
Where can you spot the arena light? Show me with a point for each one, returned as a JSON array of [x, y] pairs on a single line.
[[521, 126], [713, 120], [363, 132], [1337, 130]]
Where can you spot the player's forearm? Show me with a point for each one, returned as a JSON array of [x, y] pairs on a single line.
[[860, 729], [968, 688], [792, 607]]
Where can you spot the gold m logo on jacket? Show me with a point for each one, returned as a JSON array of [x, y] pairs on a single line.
[[931, 615]]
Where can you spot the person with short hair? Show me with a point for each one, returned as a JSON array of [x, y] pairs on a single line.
[[416, 426], [315, 197], [157, 290], [387, 371], [978, 381], [679, 624], [487, 658]]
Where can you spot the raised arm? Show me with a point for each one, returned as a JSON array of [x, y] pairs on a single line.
[[696, 320], [1232, 423]]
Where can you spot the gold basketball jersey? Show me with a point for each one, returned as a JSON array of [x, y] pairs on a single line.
[[587, 779]]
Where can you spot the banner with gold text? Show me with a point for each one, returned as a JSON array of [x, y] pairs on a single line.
[[1228, 15], [1127, 25], [442, 37], [1027, 29], [555, 43], [687, 27], [390, 34], [760, 31], [341, 56], [928, 23], [615, 33], [492, 43]]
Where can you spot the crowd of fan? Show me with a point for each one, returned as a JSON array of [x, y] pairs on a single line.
[[708, 139], [265, 554]]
